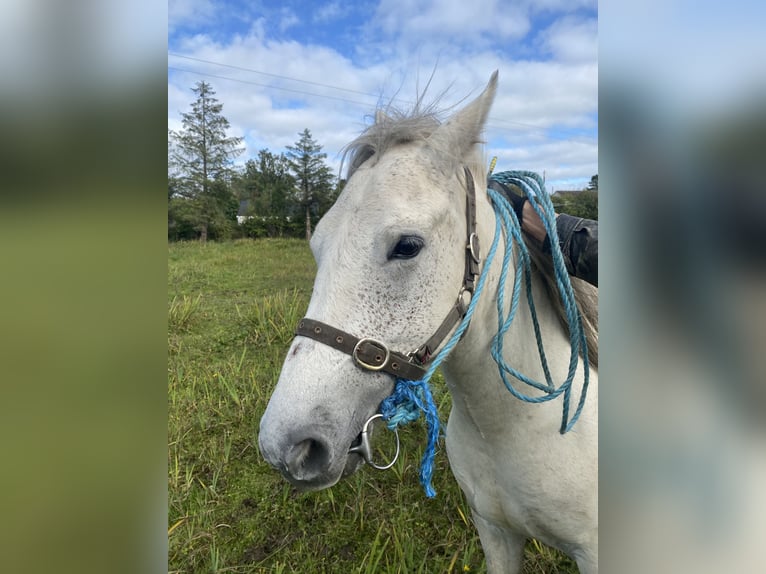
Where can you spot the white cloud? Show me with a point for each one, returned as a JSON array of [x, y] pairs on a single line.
[[190, 12], [571, 40], [546, 94], [561, 6], [543, 117], [270, 117], [327, 12], [457, 20], [288, 19], [574, 162]]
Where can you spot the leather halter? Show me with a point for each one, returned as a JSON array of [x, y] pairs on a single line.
[[373, 355]]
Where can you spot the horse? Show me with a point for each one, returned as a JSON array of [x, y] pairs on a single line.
[[397, 257]]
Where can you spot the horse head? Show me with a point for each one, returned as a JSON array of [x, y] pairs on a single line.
[[391, 259]]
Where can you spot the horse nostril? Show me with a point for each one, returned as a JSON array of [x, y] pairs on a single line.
[[307, 459]]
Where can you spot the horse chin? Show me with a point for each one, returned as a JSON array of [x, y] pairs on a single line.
[[353, 462], [311, 485]]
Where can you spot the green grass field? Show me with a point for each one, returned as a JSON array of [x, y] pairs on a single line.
[[232, 308]]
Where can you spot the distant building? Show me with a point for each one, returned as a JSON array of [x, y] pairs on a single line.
[[244, 209]]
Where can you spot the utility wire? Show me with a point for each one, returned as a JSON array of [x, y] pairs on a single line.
[[269, 86], [494, 122], [281, 77]]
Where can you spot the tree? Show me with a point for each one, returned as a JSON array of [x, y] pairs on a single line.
[[172, 175], [593, 185], [313, 178], [266, 184], [339, 186], [582, 203], [202, 157]]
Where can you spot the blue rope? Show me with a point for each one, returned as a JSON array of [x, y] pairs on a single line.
[[410, 398], [532, 185]]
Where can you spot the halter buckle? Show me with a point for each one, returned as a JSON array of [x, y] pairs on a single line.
[[421, 355], [380, 362]]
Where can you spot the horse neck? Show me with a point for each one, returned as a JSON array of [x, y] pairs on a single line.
[[470, 372]]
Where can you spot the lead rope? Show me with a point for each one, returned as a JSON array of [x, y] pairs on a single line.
[[410, 398], [532, 185]]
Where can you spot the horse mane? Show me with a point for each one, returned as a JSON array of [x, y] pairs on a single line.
[[392, 128], [395, 127], [586, 296]]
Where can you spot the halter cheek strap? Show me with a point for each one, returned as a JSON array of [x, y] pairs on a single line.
[[373, 355]]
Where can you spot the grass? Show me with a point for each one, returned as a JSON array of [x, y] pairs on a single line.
[[232, 308]]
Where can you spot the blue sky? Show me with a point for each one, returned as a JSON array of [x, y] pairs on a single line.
[[280, 67]]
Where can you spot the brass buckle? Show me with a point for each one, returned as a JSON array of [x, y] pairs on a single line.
[[361, 363]]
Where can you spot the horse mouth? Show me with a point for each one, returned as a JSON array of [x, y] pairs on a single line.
[[356, 456], [353, 462]]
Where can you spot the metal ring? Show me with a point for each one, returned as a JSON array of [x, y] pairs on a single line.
[[367, 366], [364, 449]]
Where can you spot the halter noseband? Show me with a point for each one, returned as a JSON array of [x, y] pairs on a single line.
[[373, 355]]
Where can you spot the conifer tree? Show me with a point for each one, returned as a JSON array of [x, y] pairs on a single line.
[[314, 179], [202, 157]]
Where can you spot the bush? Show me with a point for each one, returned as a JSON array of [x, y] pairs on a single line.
[[578, 203], [260, 227]]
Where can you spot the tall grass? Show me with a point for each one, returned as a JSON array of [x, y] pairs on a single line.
[[182, 311], [232, 309]]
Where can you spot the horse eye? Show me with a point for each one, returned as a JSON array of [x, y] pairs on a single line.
[[407, 247]]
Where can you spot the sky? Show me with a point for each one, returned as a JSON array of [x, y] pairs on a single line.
[[281, 67]]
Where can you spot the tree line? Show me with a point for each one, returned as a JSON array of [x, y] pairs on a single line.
[[281, 194], [583, 203], [274, 194]]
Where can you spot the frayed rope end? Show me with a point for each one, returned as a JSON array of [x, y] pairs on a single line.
[[408, 400]]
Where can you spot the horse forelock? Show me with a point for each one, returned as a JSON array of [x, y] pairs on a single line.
[[392, 130], [396, 128]]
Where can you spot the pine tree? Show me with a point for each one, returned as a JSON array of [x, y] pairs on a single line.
[[314, 179], [202, 156]]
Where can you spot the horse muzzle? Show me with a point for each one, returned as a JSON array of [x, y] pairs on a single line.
[[308, 462], [305, 461]]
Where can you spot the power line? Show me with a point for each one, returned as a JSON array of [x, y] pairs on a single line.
[[281, 77], [492, 125], [269, 86], [332, 87], [493, 122]]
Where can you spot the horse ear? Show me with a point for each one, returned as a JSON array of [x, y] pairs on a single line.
[[456, 137]]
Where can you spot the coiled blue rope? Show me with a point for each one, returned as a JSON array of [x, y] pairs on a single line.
[[410, 398], [532, 185]]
